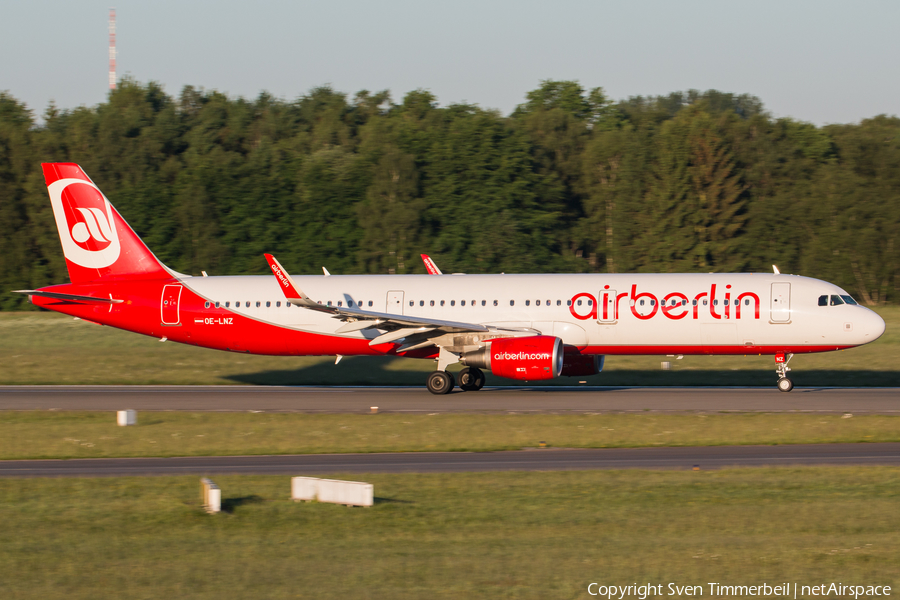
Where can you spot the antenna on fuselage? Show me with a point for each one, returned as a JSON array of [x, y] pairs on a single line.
[[327, 274], [777, 272]]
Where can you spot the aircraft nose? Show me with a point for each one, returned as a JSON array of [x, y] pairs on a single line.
[[873, 326]]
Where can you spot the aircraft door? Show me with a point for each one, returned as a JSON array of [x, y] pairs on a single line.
[[781, 303], [606, 307], [171, 297], [394, 302]]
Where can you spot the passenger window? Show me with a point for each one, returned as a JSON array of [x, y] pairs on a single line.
[[716, 302], [442, 302], [329, 303], [217, 305], [462, 303], [528, 303], [421, 303], [591, 302], [453, 303], [652, 303], [694, 302], [248, 304], [278, 304], [206, 304], [473, 302], [227, 304], [484, 302], [836, 300], [568, 303], [349, 302], [579, 302], [411, 303], [269, 304], [495, 303], [257, 304], [705, 303], [559, 302], [684, 302], [512, 302], [849, 300], [746, 301], [431, 302], [370, 303], [642, 302]]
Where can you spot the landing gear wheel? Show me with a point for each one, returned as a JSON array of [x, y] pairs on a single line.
[[471, 379], [440, 382], [785, 384]]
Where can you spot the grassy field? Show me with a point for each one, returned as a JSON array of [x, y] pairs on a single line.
[[486, 535], [25, 435], [48, 348]]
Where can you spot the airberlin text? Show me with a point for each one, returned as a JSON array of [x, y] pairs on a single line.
[[716, 589], [522, 356], [674, 305]]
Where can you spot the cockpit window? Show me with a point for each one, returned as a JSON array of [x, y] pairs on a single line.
[[836, 300], [849, 300], [823, 300]]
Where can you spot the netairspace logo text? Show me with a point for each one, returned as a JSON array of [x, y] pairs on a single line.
[[715, 589]]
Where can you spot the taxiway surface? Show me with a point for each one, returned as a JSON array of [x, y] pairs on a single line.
[[512, 399], [713, 457]]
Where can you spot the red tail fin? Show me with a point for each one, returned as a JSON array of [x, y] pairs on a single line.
[[96, 241]]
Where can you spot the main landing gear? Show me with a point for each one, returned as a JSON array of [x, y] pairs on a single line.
[[471, 379], [782, 368], [441, 382]]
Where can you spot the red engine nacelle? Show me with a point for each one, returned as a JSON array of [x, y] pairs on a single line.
[[580, 365], [526, 358]]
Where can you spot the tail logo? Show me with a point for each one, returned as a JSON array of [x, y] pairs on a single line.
[[84, 218]]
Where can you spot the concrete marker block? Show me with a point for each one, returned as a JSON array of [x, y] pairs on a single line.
[[126, 417], [351, 493], [211, 495], [304, 488]]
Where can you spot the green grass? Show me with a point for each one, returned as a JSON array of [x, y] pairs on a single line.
[[48, 348], [485, 535], [42, 434]]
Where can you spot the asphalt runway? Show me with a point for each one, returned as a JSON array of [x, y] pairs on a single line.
[[518, 399], [705, 458]]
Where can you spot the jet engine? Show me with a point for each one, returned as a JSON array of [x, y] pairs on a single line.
[[530, 358], [580, 365]]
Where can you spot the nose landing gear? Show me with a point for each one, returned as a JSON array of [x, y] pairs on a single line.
[[782, 368]]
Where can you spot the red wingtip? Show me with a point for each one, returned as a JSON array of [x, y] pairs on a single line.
[[284, 280]]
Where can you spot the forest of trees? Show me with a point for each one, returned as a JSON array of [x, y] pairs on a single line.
[[571, 181]]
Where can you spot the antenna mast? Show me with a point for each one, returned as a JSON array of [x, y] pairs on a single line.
[[112, 48]]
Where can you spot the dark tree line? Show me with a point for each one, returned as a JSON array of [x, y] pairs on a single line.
[[569, 182]]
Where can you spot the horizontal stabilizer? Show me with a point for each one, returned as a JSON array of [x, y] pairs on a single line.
[[70, 297]]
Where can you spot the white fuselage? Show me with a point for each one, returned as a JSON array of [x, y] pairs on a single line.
[[694, 320]]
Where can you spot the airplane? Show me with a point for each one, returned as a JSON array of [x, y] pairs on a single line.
[[518, 326]]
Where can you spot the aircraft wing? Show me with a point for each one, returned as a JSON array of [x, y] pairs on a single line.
[[416, 332]]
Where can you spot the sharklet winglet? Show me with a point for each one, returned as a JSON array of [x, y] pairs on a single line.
[[293, 294]]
